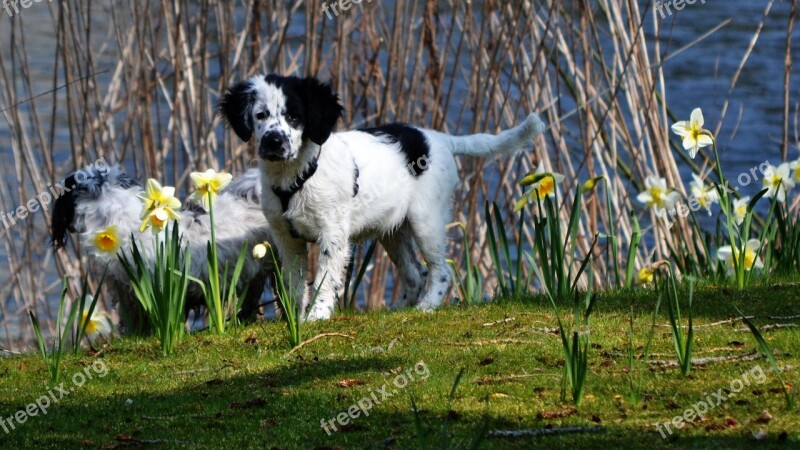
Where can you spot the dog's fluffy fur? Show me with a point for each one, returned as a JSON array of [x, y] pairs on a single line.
[[393, 183], [107, 196]]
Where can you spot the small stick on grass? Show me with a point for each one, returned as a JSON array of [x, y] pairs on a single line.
[[750, 356], [498, 322], [730, 321], [544, 431], [319, 336], [776, 326]]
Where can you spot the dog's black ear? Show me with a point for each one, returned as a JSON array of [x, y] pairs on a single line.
[[322, 110], [63, 215], [236, 107]]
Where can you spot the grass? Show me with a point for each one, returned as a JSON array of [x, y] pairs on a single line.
[[241, 390]]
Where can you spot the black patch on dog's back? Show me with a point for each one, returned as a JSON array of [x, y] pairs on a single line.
[[412, 143]]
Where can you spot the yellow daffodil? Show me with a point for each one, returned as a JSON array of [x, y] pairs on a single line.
[[740, 209], [208, 184], [159, 204], [547, 185], [158, 219], [97, 324], [645, 275], [542, 184], [694, 135], [795, 167], [156, 196], [751, 258], [107, 240], [778, 181], [703, 194], [260, 250], [657, 196]]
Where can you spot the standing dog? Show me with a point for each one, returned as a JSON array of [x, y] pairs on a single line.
[[393, 183]]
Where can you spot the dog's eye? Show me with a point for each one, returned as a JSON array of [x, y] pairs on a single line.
[[291, 117], [261, 115]]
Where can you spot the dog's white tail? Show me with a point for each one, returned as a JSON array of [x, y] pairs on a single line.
[[508, 141]]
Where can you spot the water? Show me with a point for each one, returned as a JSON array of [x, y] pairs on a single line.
[[750, 133], [701, 76]]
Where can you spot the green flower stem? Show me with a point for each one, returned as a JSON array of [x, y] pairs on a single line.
[[730, 219], [215, 308]]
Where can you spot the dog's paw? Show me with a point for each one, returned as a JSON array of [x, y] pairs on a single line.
[[318, 313], [426, 306]]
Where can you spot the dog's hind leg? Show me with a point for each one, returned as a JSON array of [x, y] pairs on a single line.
[[400, 248], [430, 236], [252, 301]]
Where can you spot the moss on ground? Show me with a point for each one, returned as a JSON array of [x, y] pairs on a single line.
[[243, 391]]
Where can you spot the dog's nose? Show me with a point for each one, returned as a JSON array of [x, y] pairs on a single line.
[[272, 142], [271, 146]]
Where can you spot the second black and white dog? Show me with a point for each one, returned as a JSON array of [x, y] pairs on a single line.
[[393, 183]]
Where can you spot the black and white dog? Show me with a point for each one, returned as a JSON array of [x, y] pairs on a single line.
[[393, 183]]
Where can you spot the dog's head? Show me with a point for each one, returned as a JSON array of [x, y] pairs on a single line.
[[281, 113]]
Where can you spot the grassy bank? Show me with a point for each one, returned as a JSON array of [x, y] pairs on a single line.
[[243, 391]]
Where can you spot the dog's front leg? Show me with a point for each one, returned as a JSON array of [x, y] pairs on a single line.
[[333, 254], [294, 265]]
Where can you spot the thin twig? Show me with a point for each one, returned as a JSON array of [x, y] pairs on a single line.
[[497, 322], [750, 356], [776, 326], [730, 321], [319, 336], [22, 102], [544, 431], [490, 341]]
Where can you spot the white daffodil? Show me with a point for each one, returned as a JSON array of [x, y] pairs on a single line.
[[657, 196], [778, 181], [740, 209], [751, 258], [694, 135], [208, 184], [795, 167], [97, 324], [704, 195]]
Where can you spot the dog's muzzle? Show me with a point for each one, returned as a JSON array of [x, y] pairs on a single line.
[[273, 147]]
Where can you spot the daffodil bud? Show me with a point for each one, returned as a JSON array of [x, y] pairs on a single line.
[[260, 250], [589, 185], [646, 274]]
